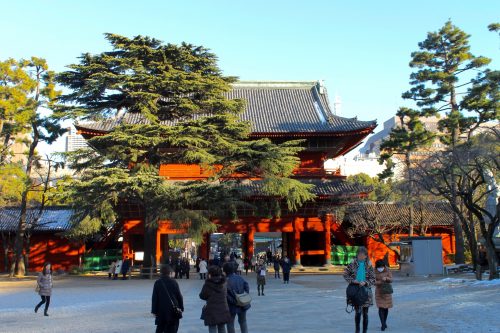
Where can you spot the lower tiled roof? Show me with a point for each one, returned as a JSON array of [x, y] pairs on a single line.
[[425, 214], [52, 219]]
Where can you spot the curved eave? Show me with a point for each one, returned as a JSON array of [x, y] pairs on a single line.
[[89, 132]]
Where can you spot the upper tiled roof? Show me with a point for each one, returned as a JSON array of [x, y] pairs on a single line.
[[426, 214], [52, 219], [272, 107]]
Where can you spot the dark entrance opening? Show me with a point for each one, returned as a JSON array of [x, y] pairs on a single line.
[[313, 260], [312, 241]]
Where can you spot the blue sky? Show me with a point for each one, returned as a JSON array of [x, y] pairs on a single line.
[[360, 48]]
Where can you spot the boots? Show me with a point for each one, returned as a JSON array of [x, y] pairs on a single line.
[[36, 308], [357, 319]]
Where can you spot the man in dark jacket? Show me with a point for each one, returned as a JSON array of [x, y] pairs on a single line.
[[166, 294], [287, 267], [236, 285]]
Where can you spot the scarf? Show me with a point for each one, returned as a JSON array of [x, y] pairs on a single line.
[[361, 272]]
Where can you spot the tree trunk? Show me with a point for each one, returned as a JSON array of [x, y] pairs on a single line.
[[150, 230], [20, 269], [490, 248], [411, 214]]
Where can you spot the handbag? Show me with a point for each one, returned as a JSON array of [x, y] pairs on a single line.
[[386, 288], [37, 288], [177, 310], [243, 299], [356, 295]]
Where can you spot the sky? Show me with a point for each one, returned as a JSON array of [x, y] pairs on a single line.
[[361, 49]]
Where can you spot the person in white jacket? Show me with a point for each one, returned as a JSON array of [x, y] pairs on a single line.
[[118, 268], [203, 269]]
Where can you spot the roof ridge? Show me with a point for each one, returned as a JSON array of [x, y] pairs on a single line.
[[274, 84]]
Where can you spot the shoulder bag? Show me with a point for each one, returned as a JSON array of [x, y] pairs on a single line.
[[177, 310]]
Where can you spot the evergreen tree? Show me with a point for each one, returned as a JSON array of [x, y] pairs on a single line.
[[27, 88], [443, 64], [407, 137], [177, 93]]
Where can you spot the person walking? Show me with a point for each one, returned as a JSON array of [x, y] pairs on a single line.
[[178, 268], [186, 267], [215, 313], [261, 277], [240, 264], [203, 269], [246, 262], [125, 268], [111, 270], [360, 272], [287, 267], [118, 269], [383, 291], [276, 265], [44, 287], [236, 285], [166, 302], [254, 263]]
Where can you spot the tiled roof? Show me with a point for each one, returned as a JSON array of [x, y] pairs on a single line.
[[272, 107], [52, 219], [322, 187], [427, 214]]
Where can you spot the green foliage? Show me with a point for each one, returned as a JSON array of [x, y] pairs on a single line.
[[142, 75], [12, 184], [443, 59], [409, 136], [382, 191], [179, 90]]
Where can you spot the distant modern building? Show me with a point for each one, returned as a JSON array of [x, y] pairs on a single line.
[[74, 141], [372, 145]]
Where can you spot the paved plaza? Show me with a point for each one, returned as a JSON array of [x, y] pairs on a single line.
[[309, 304]]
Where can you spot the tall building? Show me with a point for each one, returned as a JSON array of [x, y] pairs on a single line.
[[74, 141]]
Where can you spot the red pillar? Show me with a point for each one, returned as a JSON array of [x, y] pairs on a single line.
[[328, 221], [250, 240], [205, 247], [158, 247], [296, 243]]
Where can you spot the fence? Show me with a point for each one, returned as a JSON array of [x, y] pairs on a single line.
[[100, 260], [343, 254]]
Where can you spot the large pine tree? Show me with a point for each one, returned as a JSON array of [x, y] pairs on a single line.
[[177, 91], [444, 63]]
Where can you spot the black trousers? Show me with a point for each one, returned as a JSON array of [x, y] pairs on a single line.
[[167, 327], [357, 318], [46, 300], [286, 277], [383, 313]]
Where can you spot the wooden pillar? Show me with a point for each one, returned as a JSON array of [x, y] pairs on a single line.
[[328, 221], [205, 247], [250, 240], [158, 248], [125, 245], [284, 244], [296, 243]]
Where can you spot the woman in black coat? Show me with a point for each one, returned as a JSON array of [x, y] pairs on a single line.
[[166, 294], [215, 313]]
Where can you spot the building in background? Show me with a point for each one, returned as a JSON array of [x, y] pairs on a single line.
[[74, 141]]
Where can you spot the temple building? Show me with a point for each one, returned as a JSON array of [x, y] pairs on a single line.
[[280, 111]]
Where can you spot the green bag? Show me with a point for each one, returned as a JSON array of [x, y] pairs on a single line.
[[386, 288]]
